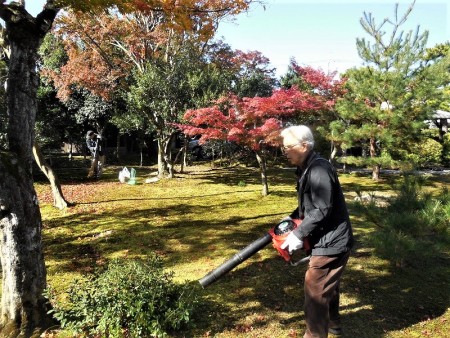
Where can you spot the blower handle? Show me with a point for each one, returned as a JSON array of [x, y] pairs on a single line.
[[237, 259], [303, 260]]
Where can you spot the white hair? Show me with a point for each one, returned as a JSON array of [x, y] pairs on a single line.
[[298, 134]]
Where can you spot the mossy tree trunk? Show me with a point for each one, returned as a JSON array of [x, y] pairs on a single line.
[[162, 165], [165, 165], [58, 197], [23, 306]]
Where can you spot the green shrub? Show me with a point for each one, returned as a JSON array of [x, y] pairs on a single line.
[[130, 298], [412, 221], [430, 152], [407, 197], [435, 214], [394, 245], [242, 184]]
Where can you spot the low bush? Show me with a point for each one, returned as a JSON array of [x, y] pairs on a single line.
[[413, 224], [130, 298], [430, 152]]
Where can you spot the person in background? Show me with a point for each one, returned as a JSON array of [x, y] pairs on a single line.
[[325, 224], [93, 143]]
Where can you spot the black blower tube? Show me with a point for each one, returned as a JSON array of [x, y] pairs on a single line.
[[237, 259]]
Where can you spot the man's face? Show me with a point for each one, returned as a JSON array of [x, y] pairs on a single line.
[[295, 152]]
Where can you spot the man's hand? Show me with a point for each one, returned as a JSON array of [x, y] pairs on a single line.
[[292, 243]]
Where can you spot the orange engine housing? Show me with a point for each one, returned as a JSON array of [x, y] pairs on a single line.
[[279, 234]]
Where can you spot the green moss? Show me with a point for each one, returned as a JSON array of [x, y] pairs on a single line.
[[201, 218]]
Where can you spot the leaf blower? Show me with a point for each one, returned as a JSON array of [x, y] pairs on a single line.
[[276, 235]]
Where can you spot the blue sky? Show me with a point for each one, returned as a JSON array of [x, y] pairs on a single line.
[[323, 34], [319, 33]]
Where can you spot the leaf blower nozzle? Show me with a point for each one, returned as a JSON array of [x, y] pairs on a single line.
[[237, 259], [276, 235]]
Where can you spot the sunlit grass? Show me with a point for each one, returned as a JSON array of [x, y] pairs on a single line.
[[201, 218]]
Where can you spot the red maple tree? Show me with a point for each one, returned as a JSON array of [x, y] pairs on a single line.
[[256, 122]]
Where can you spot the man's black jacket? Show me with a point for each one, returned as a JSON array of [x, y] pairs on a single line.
[[322, 206]]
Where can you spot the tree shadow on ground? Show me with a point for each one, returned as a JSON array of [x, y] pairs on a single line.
[[265, 284], [379, 303], [233, 176], [110, 234], [381, 298]]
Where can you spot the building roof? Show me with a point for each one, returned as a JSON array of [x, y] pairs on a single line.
[[441, 114]]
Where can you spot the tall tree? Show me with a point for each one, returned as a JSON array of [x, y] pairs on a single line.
[[23, 270], [252, 76], [24, 312], [105, 49], [388, 100], [161, 94]]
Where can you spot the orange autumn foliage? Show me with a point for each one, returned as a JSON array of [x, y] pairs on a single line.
[[103, 46]]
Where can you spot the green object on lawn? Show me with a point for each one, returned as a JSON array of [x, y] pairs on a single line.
[[132, 180]]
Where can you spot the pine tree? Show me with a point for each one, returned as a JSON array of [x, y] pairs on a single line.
[[390, 97]]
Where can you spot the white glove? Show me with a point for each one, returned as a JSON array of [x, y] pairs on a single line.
[[292, 243]]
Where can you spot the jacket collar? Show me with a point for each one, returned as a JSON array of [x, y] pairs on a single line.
[[311, 157]]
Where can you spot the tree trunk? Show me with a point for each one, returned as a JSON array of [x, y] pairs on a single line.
[[376, 172], [70, 150], [162, 167], [181, 155], [165, 165], [94, 170], [58, 197], [262, 166], [24, 310], [118, 148], [168, 155], [376, 167], [334, 150]]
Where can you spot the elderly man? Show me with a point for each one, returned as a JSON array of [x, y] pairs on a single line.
[[326, 225]]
